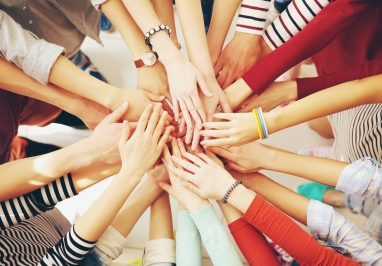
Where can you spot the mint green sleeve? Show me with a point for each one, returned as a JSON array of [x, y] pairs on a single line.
[[215, 238], [188, 244]]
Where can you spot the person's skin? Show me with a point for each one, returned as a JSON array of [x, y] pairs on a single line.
[[182, 75], [138, 154], [15, 80], [242, 128], [160, 218], [322, 127], [221, 19], [32, 173], [67, 76], [191, 19]]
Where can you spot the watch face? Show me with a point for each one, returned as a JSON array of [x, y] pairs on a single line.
[[149, 58]]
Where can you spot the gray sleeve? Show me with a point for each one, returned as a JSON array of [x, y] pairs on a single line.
[[21, 47]]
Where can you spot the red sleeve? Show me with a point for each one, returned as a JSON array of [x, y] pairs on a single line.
[[291, 237], [313, 38], [307, 86], [253, 244]]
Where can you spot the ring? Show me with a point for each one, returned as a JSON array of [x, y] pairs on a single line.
[[219, 108]]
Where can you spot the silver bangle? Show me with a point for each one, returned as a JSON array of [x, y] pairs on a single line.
[[224, 199], [152, 31]]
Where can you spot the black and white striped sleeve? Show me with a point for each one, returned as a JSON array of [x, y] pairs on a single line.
[[18, 209], [70, 250], [252, 16], [295, 17]]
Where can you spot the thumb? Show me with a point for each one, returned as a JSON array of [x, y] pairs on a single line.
[[125, 134], [165, 186], [117, 114], [225, 104], [203, 85], [154, 97]]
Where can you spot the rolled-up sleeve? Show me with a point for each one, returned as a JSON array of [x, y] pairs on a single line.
[[21, 47], [362, 178], [327, 225]]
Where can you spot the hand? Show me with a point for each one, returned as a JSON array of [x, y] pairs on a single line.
[[205, 177], [93, 113], [146, 144], [246, 158], [239, 129], [276, 94], [138, 100], [177, 189], [240, 54], [183, 79], [106, 135]]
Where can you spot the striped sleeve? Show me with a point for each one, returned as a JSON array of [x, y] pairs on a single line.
[[252, 16], [16, 210], [70, 250], [295, 17]]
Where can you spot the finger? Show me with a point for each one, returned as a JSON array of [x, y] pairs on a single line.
[[217, 142], [181, 173], [167, 108], [166, 187], [125, 134], [206, 159], [229, 81], [142, 122], [194, 189], [185, 164], [186, 115], [199, 107], [237, 167], [195, 139], [225, 104], [181, 146], [189, 134], [217, 125], [154, 97], [203, 85], [222, 77], [160, 126], [116, 115], [194, 159], [213, 157], [175, 108], [218, 67], [153, 120], [225, 133], [164, 138], [226, 116], [175, 149], [166, 157], [222, 152], [194, 113], [182, 124]]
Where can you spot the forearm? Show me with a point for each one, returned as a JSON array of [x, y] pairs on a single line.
[[191, 19], [160, 218], [165, 12], [66, 75], [32, 173], [222, 16], [237, 93], [326, 102]]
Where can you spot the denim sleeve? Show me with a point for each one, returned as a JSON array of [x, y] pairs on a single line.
[[21, 47], [362, 178], [188, 244], [327, 225], [215, 238]]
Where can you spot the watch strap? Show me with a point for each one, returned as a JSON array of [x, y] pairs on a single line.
[[139, 63]]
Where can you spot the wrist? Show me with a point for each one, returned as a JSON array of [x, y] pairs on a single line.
[[134, 176], [291, 90], [115, 98], [165, 48], [271, 121], [241, 198], [194, 206], [253, 38], [237, 93]]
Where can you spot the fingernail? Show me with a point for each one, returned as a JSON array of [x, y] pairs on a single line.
[[124, 123], [164, 113], [201, 133], [124, 105], [200, 126], [214, 115], [150, 106], [202, 143]]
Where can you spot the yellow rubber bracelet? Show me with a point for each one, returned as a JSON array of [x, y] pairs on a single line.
[[258, 123]]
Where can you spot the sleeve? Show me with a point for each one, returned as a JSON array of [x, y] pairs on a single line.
[[97, 3], [327, 225], [362, 178], [188, 244], [316, 35], [291, 21], [16, 210], [70, 250], [252, 16], [291, 237], [215, 238], [253, 244], [34, 56], [307, 86]]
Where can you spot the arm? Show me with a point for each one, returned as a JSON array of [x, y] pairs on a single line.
[[243, 128]]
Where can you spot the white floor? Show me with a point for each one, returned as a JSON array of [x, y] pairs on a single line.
[[115, 62]]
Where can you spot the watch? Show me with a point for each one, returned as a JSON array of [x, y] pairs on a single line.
[[148, 59]]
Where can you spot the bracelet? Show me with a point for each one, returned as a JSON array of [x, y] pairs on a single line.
[[152, 31], [260, 122], [237, 182]]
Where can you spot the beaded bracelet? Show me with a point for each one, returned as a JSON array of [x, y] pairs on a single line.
[[260, 122], [237, 182], [152, 31]]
